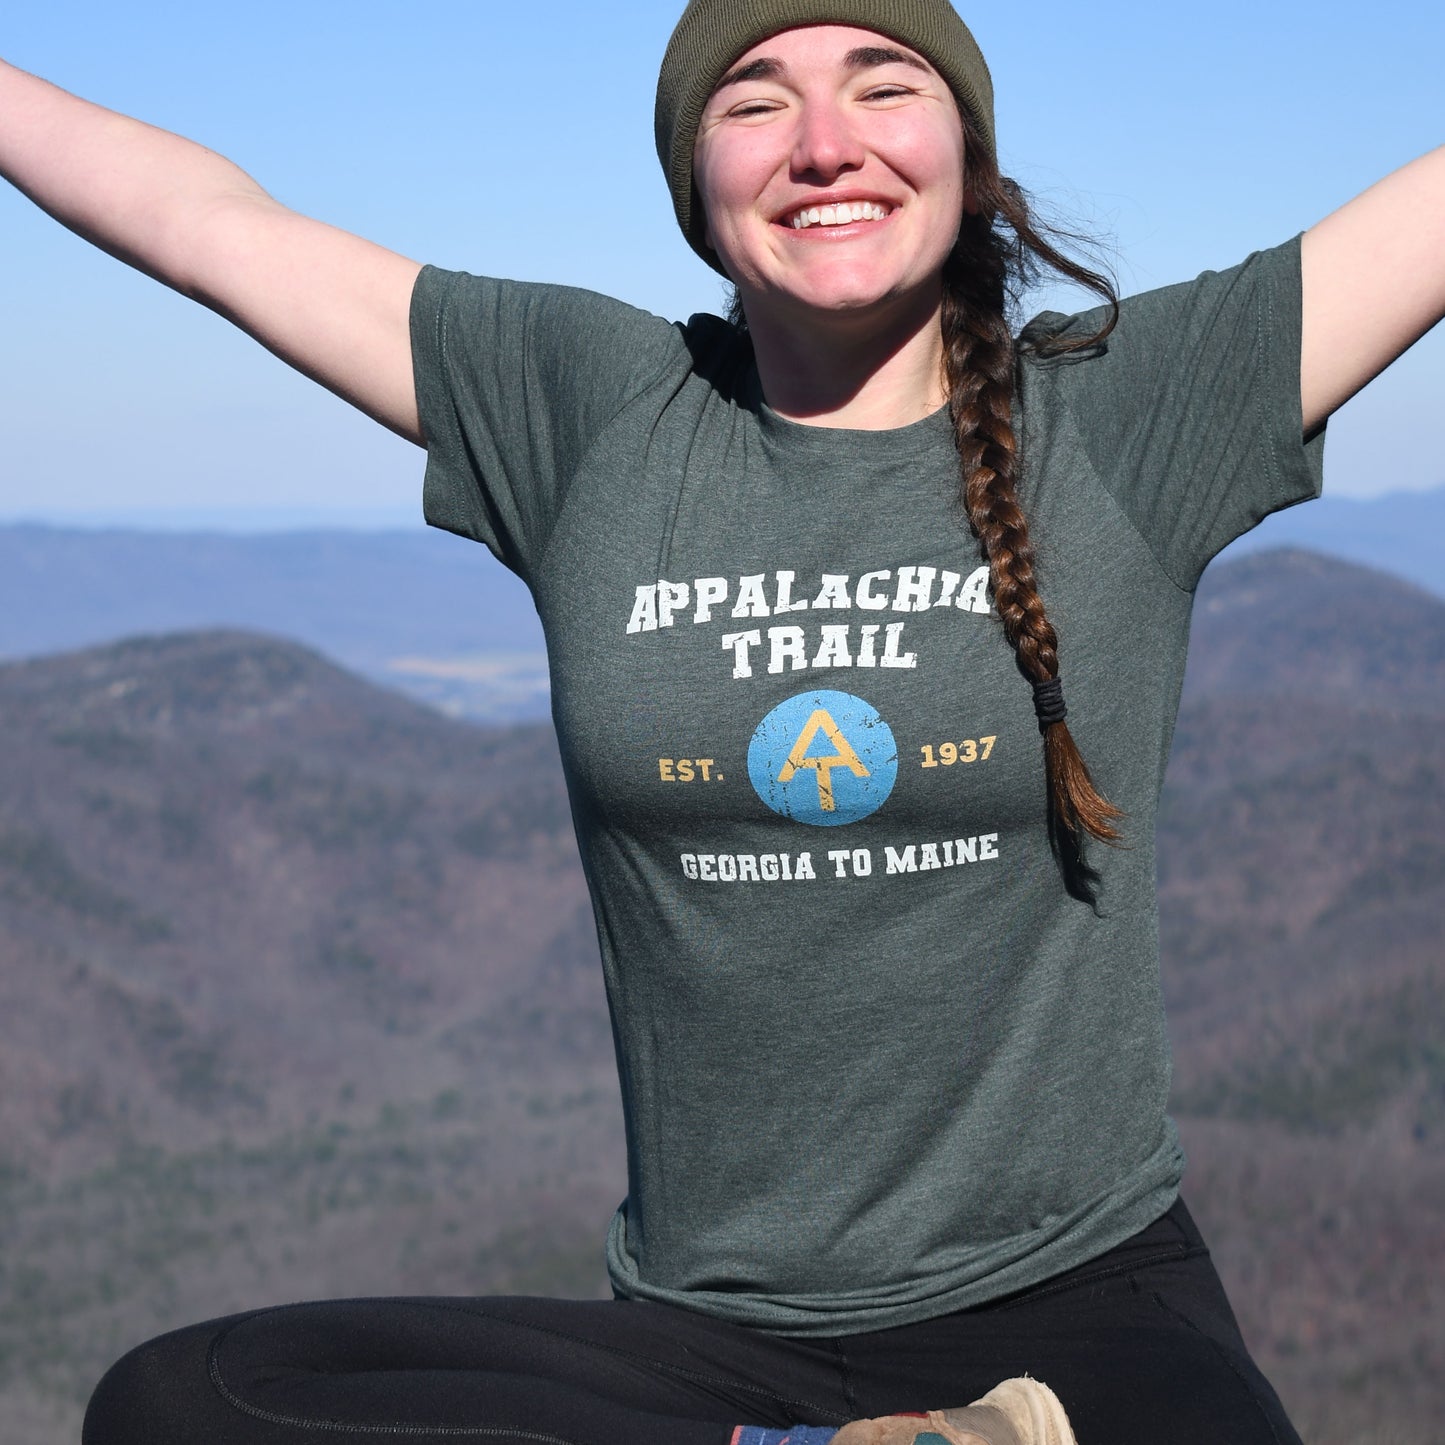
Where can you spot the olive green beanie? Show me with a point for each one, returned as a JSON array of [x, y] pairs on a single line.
[[713, 33]]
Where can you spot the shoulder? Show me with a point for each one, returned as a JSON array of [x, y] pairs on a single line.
[[1160, 317], [456, 313], [452, 297]]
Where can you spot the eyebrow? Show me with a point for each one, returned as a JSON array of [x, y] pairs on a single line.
[[863, 58]]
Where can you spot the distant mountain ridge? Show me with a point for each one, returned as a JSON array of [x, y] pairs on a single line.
[[437, 616], [1294, 623], [299, 994], [383, 603], [1401, 533]]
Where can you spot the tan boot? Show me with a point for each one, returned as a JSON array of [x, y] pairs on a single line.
[[1017, 1412]]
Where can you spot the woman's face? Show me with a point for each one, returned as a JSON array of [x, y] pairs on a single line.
[[830, 165]]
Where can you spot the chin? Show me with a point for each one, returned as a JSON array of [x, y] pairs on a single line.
[[845, 295]]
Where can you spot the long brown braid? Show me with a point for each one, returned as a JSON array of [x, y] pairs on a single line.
[[998, 251]]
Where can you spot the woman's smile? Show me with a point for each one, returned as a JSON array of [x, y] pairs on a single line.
[[836, 212]]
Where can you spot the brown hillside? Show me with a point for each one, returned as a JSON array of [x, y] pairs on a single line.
[[299, 996], [1302, 912], [223, 861]]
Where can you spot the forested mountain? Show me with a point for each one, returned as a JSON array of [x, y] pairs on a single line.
[[299, 995]]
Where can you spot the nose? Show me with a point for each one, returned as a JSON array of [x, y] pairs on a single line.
[[826, 145]]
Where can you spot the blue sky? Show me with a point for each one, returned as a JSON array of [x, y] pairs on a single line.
[[517, 140]]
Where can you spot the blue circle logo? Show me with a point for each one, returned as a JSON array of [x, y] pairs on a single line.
[[824, 758]]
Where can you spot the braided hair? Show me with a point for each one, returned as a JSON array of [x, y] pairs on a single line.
[[999, 250]]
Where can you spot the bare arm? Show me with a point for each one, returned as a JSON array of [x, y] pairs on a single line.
[[332, 305], [1374, 283]]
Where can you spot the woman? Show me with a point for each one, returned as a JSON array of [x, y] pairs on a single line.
[[886, 1002]]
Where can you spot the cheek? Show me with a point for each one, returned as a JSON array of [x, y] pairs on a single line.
[[939, 163], [927, 148], [707, 193], [729, 177], [948, 184]]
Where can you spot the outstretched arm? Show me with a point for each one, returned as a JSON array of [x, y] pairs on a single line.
[[1374, 283], [330, 304]]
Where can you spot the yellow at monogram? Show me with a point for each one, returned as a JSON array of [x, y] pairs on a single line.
[[970, 750], [688, 770]]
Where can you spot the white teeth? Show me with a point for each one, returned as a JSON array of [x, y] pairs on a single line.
[[839, 215]]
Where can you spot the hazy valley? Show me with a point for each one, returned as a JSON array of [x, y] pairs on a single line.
[[299, 995]]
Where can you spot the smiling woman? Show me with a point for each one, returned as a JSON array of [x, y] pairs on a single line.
[[897, 1131]]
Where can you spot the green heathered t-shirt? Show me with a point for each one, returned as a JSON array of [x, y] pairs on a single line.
[[877, 1064]]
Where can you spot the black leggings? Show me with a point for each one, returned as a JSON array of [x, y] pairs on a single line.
[[1139, 1344]]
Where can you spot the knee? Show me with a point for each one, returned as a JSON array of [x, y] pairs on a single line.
[[158, 1394]]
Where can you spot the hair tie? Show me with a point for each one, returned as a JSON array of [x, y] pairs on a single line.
[[1049, 703]]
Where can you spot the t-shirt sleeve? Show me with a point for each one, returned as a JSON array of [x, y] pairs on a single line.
[[1190, 413], [514, 382]]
